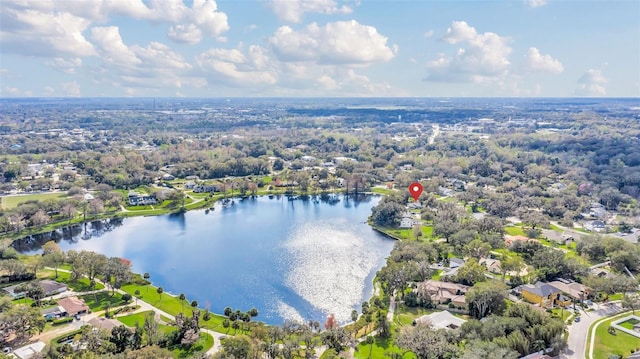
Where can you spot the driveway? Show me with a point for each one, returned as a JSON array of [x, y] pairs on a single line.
[[578, 332]]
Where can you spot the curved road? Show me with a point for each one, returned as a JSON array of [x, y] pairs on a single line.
[[578, 331]]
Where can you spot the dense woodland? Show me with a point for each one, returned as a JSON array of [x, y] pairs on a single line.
[[545, 163]]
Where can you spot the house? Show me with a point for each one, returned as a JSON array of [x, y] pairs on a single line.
[[560, 292], [455, 262], [509, 240], [104, 323], [168, 177], [53, 313], [560, 238], [137, 199], [444, 292], [189, 185], [492, 265], [206, 188], [441, 320], [542, 294], [73, 306], [574, 290], [51, 287], [28, 351], [407, 221]]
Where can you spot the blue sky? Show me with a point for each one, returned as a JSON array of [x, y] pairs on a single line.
[[282, 48]]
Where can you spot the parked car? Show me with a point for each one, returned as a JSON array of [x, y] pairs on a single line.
[[577, 319]]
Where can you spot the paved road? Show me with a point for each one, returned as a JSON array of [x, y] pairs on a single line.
[[578, 331]]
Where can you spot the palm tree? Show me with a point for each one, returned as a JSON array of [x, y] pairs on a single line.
[[137, 294], [146, 276], [194, 305], [182, 297], [160, 290]]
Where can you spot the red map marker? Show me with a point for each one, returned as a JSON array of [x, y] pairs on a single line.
[[416, 190]]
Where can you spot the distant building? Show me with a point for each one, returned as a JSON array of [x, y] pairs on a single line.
[[444, 292], [28, 351]]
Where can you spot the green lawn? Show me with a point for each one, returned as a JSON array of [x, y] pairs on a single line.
[[559, 311], [81, 285], [606, 344], [514, 231], [97, 301], [628, 324], [131, 319], [379, 349], [172, 305], [10, 202]]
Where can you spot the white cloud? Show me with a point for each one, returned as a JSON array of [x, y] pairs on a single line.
[[536, 62], [535, 3], [67, 65], [342, 42], [484, 57], [189, 34], [71, 88], [591, 83], [31, 28], [232, 67], [294, 10], [112, 48], [428, 34]]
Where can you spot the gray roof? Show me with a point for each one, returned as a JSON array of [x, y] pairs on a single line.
[[541, 289]]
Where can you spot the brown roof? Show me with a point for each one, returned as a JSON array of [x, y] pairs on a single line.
[[105, 323], [436, 286], [73, 305]]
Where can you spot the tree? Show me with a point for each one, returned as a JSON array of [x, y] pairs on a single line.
[[477, 249], [354, 315], [336, 338], [151, 328], [194, 305], [146, 277], [116, 272], [631, 301], [513, 264], [236, 347], [160, 290], [182, 297], [120, 338], [330, 322], [486, 298], [425, 342], [387, 214], [32, 290], [471, 272], [40, 218]]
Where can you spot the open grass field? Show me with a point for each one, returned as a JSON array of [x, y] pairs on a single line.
[[9, 202], [606, 344], [171, 304], [98, 301], [514, 231], [81, 285]]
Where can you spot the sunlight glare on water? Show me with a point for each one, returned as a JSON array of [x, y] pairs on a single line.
[[329, 266]]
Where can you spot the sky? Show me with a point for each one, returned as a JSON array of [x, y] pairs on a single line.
[[319, 48]]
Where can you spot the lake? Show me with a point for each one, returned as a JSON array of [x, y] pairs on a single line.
[[290, 259]]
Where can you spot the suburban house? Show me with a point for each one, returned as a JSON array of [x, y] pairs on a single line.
[[28, 351], [492, 265], [509, 240], [49, 287], [560, 292], [407, 221], [206, 188], [137, 199], [441, 320], [444, 292], [104, 323], [53, 313], [560, 238], [73, 306]]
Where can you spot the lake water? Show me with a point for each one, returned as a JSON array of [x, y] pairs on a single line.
[[291, 259]]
